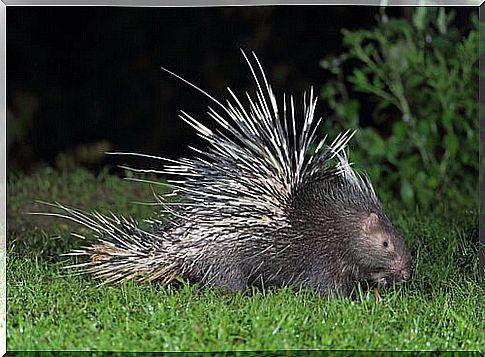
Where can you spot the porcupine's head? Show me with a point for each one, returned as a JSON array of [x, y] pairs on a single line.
[[342, 217]]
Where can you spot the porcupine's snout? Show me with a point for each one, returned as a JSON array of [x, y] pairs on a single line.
[[403, 268], [400, 270], [404, 274]]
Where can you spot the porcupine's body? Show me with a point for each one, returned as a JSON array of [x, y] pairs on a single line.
[[264, 205]]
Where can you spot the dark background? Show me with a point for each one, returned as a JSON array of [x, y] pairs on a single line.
[[82, 80]]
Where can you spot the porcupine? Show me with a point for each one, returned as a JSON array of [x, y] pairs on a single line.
[[266, 204]]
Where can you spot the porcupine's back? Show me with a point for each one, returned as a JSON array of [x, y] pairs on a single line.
[[265, 204]]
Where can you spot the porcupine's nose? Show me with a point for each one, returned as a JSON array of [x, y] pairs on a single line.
[[406, 273]]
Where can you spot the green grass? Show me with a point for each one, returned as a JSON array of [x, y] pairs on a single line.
[[50, 308]]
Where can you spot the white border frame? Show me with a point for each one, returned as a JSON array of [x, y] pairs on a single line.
[[3, 178], [166, 3]]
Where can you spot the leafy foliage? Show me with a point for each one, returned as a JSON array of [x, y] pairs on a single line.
[[421, 76]]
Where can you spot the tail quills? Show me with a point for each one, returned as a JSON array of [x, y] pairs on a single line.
[[123, 250], [113, 264]]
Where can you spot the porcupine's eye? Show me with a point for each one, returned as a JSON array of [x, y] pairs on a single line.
[[385, 244]]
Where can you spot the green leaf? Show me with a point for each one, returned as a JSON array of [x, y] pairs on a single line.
[[407, 192], [399, 130], [419, 18], [349, 111], [359, 79], [451, 144], [374, 144]]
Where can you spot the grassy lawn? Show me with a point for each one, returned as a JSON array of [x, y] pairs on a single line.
[[50, 308]]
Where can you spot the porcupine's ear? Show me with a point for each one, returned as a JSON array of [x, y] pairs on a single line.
[[370, 223]]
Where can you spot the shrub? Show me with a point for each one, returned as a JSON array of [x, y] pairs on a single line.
[[420, 76]]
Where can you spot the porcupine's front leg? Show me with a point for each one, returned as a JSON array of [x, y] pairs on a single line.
[[319, 278], [324, 288]]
